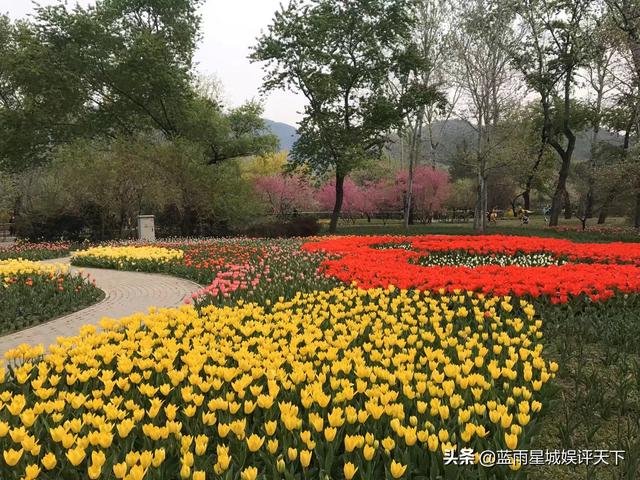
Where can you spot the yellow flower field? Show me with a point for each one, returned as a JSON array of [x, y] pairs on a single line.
[[12, 268], [131, 253], [346, 383]]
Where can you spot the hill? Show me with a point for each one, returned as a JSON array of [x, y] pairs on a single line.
[[287, 134], [452, 135], [455, 133]]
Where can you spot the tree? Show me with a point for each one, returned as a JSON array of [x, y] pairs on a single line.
[[482, 42], [226, 134], [601, 81], [555, 44], [524, 145], [462, 196], [115, 69], [9, 189], [97, 188], [284, 195], [626, 14], [264, 165], [616, 164], [339, 55], [431, 190], [420, 72]]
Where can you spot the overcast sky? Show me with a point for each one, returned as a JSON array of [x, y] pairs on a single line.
[[229, 28]]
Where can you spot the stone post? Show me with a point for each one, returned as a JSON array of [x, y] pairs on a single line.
[[146, 228]]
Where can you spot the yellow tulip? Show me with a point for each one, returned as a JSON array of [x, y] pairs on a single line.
[[511, 441], [254, 442], [368, 452], [49, 461], [330, 433], [292, 453], [305, 458], [76, 456], [349, 470], [31, 472], [249, 473], [397, 469], [94, 471]]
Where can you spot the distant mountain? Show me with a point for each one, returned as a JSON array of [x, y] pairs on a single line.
[[455, 133], [451, 136], [287, 134]]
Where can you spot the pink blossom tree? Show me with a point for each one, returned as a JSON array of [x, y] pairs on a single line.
[[431, 188], [354, 204], [368, 200], [285, 194], [382, 199]]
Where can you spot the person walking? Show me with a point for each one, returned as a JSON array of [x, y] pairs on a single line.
[[493, 216]]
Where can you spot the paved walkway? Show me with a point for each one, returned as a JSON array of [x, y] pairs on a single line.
[[126, 293]]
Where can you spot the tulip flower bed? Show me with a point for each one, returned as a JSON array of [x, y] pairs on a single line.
[[137, 258], [35, 251], [232, 269], [597, 271], [32, 292], [301, 360], [590, 302], [345, 383]]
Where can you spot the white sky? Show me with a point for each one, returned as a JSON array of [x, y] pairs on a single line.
[[229, 29]]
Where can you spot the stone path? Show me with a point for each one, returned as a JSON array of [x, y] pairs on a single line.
[[126, 293]]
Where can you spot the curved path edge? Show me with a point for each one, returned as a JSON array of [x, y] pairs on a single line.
[[126, 293]]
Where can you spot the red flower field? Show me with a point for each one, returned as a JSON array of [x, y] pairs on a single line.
[[596, 270]]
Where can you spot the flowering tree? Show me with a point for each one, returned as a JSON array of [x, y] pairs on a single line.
[[285, 194], [382, 199], [355, 202], [431, 188]]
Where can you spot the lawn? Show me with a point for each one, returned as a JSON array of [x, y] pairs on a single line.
[[615, 230]]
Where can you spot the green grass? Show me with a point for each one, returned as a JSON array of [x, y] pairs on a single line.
[[507, 226], [597, 400]]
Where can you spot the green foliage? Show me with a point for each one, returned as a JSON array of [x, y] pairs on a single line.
[[462, 195], [9, 192], [33, 299], [116, 68], [371, 171], [97, 189], [223, 135], [338, 54], [598, 384]]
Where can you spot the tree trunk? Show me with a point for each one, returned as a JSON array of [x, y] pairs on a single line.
[[513, 205], [604, 211], [636, 220], [567, 205], [335, 215], [485, 203], [480, 216], [416, 140], [526, 198], [477, 227]]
